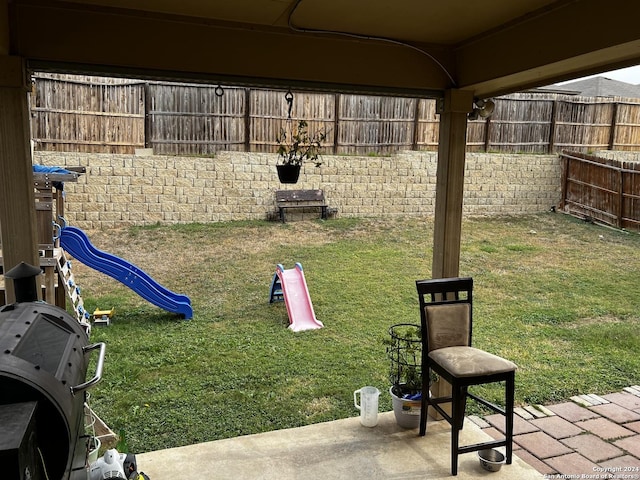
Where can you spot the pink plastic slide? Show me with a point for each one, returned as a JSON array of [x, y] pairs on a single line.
[[297, 299]]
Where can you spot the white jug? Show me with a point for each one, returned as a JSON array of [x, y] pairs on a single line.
[[368, 405]]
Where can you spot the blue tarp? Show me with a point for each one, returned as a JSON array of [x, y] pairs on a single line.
[[46, 169]]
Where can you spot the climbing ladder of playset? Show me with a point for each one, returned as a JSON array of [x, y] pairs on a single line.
[[59, 283], [66, 278], [49, 201]]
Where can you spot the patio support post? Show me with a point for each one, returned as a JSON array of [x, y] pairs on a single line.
[[450, 183], [449, 196], [17, 199]]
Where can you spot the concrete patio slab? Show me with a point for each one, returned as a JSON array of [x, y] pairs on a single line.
[[332, 450]]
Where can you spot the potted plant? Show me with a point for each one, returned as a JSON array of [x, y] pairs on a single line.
[[296, 147], [404, 351]]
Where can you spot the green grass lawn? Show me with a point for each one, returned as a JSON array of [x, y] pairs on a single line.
[[558, 296]]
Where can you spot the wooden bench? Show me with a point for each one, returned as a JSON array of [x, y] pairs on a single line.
[[301, 199]]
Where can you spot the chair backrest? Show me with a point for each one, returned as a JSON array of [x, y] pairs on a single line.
[[446, 311]]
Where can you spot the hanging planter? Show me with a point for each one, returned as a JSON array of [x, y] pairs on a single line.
[[297, 146], [288, 173]]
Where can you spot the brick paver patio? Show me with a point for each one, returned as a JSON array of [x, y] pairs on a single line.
[[590, 437]]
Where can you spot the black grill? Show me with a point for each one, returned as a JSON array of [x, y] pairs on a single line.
[[44, 356]]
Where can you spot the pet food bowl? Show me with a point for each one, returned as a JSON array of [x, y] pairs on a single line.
[[491, 459]]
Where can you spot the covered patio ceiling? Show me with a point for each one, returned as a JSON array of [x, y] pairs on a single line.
[[416, 47], [455, 50]]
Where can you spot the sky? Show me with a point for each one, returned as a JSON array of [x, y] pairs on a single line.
[[629, 75]]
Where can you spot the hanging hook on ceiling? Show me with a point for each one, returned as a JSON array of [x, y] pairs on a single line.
[[289, 98]]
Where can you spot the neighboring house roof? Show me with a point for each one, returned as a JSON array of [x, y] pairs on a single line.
[[596, 87]]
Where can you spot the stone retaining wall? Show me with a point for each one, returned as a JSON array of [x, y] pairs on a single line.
[[121, 190]]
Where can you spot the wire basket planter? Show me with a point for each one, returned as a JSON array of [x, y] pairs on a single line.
[[404, 351]]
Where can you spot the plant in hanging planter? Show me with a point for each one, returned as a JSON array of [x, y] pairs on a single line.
[[296, 147]]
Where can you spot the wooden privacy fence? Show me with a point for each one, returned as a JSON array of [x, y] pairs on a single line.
[[547, 123], [93, 114], [87, 115], [600, 189]]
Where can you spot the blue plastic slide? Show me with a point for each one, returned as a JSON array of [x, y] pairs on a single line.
[[76, 242]]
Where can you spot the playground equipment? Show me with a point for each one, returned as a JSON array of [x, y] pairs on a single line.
[[58, 284], [76, 242], [290, 286]]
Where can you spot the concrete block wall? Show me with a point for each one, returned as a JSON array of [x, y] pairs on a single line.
[[123, 190], [511, 184]]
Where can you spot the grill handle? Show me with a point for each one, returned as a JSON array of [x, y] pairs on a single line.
[[98, 376]]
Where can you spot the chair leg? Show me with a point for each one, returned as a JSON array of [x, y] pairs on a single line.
[[458, 410], [509, 401], [424, 408], [462, 406], [458, 400]]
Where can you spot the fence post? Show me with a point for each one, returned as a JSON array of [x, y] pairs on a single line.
[[620, 195], [487, 133], [614, 122], [416, 124], [564, 180], [552, 128], [146, 93], [247, 119], [336, 122]]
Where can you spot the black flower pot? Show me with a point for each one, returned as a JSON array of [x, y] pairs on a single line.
[[288, 173]]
